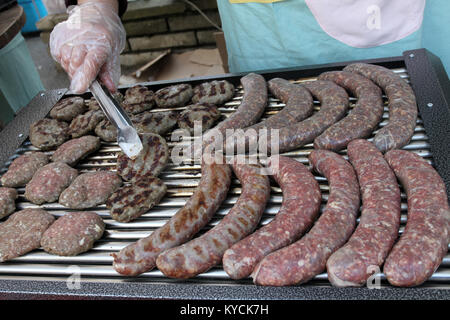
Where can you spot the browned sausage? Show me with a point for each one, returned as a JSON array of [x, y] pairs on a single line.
[[425, 240], [204, 252], [301, 203], [377, 231], [302, 260], [402, 106]]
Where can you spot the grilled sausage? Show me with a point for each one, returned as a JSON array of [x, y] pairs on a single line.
[[302, 260], [377, 231], [334, 104], [22, 169], [362, 120], [301, 203], [299, 105], [251, 109], [140, 256], [425, 240], [204, 252], [402, 106]]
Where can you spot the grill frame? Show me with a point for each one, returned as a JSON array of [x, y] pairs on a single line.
[[430, 84]]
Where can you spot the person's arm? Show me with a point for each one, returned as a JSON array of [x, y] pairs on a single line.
[[89, 42]]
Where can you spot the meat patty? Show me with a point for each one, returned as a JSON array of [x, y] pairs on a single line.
[[22, 169], [47, 133], [93, 104], [68, 108], [138, 99], [174, 96], [8, 198], [205, 113], [73, 233], [213, 92], [131, 201], [22, 232], [90, 189], [74, 150], [85, 123], [154, 122], [150, 161], [49, 181], [106, 130]]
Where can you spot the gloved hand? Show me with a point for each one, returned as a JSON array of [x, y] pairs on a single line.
[[88, 45]]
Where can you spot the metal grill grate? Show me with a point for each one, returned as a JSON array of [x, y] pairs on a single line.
[[181, 182]]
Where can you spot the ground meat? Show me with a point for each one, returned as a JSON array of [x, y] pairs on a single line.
[[68, 108], [74, 150], [205, 113], [131, 201], [22, 169], [85, 123], [47, 133], [49, 181], [138, 99], [214, 92], [106, 131], [73, 233], [93, 104], [22, 232], [154, 122], [174, 96], [8, 197], [150, 162], [90, 189]]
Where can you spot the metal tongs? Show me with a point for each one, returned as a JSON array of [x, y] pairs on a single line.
[[127, 136]]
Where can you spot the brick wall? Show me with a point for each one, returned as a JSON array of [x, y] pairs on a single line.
[[153, 26]]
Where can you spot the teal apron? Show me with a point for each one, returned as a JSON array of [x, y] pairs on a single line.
[[262, 36]]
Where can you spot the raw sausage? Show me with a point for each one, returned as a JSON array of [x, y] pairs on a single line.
[[204, 252], [377, 231], [141, 256], [362, 120], [302, 260], [301, 203], [424, 242], [402, 106]]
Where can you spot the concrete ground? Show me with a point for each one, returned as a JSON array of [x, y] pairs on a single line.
[[51, 76]]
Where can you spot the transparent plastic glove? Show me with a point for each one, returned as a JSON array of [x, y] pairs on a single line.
[[88, 44]]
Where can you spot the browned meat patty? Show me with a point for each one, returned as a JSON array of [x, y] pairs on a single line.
[[22, 169], [22, 232], [49, 181], [93, 104], [85, 123], [213, 92], [131, 201], [150, 161], [8, 198], [205, 113], [106, 131], [174, 96], [68, 108], [154, 122], [138, 99], [73, 233], [74, 150], [90, 189], [47, 133]]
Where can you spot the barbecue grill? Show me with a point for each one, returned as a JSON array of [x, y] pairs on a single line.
[[39, 274]]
